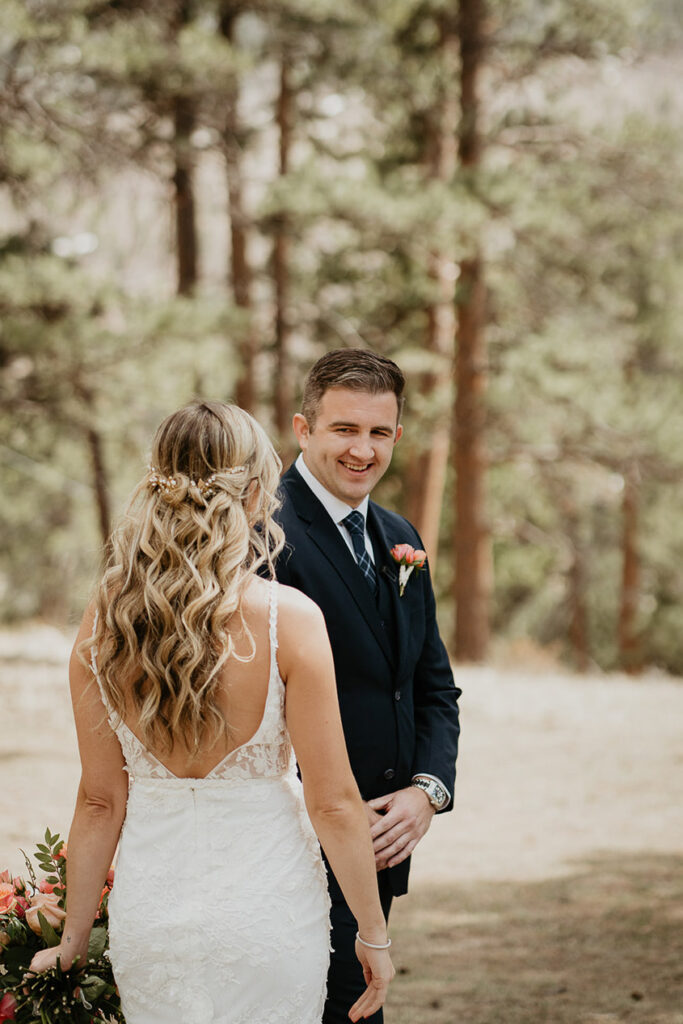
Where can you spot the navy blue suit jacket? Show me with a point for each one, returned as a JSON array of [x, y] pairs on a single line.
[[397, 697]]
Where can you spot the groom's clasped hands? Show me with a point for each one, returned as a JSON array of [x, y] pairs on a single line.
[[397, 823]]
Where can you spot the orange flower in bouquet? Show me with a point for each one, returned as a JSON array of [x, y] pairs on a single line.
[[32, 914]]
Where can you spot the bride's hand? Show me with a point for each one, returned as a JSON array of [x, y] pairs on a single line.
[[46, 959], [378, 971]]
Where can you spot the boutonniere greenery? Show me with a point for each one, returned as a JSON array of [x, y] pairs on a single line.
[[408, 558]]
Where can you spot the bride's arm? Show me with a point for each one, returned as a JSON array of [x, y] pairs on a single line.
[[98, 817], [332, 799]]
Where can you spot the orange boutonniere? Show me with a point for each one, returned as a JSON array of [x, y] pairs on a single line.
[[408, 558]]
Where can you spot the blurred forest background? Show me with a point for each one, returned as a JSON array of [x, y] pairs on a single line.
[[200, 197]]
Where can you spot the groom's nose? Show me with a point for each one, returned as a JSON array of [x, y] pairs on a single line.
[[362, 449]]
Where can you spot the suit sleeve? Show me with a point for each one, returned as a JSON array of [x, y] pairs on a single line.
[[437, 725]]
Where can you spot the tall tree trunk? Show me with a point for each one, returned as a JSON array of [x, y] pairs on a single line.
[[472, 552], [93, 439], [434, 461], [578, 617], [472, 582], [283, 396], [99, 481], [183, 174], [436, 386], [413, 481], [240, 269], [629, 644], [186, 233]]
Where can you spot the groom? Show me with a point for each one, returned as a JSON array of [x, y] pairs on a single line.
[[396, 692]]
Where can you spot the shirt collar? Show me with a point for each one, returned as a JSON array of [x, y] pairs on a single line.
[[334, 507]]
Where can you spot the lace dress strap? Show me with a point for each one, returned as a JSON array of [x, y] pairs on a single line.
[[272, 619]]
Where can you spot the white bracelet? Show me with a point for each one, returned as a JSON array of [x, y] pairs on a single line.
[[373, 945]]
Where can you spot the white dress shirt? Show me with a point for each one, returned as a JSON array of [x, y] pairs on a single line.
[[335, 507]]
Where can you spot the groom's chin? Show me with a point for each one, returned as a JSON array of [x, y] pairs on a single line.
[[353, 487]]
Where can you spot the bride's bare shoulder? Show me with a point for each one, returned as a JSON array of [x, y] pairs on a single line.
[[295, 609], [300, 623], [294, 604]]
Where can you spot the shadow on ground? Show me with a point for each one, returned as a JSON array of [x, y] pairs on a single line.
[[600, 946]]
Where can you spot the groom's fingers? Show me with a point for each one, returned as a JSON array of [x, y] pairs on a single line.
[[400, 840], [404, 854], [373, 816], [379, 833], [385, 822], [386, 839], [378, 803], [383, 859], [394, 823]]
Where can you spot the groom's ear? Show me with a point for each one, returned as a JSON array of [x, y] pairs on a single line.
[[399, 433], [301, 430]]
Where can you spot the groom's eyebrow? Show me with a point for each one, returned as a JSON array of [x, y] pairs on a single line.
[[346, 423]]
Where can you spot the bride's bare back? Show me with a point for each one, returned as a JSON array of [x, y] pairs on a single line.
[[242, 694]]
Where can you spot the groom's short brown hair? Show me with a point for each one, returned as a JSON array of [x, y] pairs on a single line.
[[357, 369]]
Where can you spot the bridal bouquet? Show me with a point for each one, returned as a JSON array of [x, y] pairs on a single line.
[[32, 913]]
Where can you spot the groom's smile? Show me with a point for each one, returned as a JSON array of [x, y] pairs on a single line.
[[350, 445]]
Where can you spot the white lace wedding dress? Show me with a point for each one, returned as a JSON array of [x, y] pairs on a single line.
[[219, 911]]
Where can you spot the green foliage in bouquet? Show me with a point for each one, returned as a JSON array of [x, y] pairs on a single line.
[[32, 913]]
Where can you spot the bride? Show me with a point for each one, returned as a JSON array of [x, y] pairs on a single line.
[[197, 685]]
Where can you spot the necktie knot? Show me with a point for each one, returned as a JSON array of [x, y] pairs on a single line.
[[355, 524]]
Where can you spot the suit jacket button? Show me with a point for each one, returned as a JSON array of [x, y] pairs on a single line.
[[389, 774], [397, 695]]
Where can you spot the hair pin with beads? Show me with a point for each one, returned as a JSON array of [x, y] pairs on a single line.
[[159, 482]]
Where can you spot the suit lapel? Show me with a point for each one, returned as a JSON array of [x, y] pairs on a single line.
[[388, 568], [324, 533]]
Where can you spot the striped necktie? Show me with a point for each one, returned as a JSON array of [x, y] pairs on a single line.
[[355, 524]]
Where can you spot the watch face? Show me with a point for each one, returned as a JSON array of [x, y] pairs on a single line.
[[437, 794]]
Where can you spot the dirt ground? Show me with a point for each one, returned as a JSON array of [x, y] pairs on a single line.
[[552, 894]]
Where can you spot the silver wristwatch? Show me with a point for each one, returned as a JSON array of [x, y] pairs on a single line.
[[436, 794]]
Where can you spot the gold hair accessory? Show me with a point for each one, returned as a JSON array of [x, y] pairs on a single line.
[[207, 489], [158, 482]]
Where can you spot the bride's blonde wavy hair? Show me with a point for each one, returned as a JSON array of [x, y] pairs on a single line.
[[199, 527]]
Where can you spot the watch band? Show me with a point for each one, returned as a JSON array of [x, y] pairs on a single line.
[[436, 794]]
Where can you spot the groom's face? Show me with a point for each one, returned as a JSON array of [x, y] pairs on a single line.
[[350, 446]]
